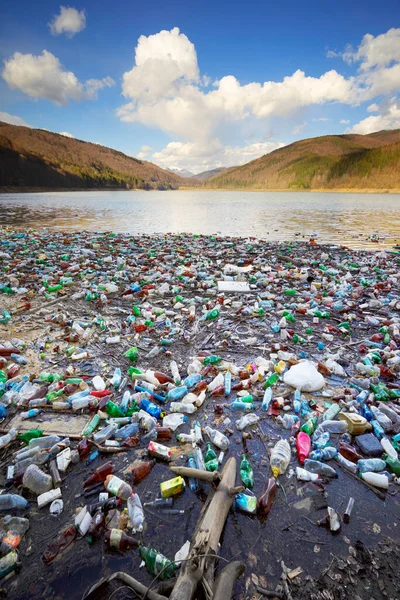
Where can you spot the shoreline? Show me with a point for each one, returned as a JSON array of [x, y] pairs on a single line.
[[39, 190]]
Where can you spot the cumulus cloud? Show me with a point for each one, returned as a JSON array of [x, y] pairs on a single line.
[[199, 156], [388, 118], [344, 121], [70, 21], [165, 90], [144, 152], [12, 119], [43, 76], [66, 134]]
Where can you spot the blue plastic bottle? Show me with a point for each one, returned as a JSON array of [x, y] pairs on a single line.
[[192, 379], [267, 399], [194, 486], [151, 408], [228, 383], [237, 406], [177, 393]]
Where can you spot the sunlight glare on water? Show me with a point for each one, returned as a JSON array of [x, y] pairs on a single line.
[[349, 219]]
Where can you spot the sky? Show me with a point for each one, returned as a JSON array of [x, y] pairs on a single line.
[[198, 86]]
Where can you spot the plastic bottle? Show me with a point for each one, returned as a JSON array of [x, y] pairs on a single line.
[[388, 448], [218, 439], [331, 413], [349, 452], [198, 457], [100, 474], [324, 453], [393, 464], [332, 427], [174, 420], [16, 524], [287, 421], [303, 445], [280, 458], [346, 464], [246, 473], [7, 438], [12, 502], [135, 511], [183, 407], [267, 398], [157, 563], [193, 484], [210, 458], [266, 500], [228, 383], [376, 479], [65, 539], [314, 466], [7, 563], [304, 475], [141, 469], [117, 487], [30, 414], [91, 426], [239, 405], [246, 503], [48, 497], [115, 538], [45, 442], [106, 433], [175, 372], [36, 480], [371, 464], [272, 379], [310, 426]]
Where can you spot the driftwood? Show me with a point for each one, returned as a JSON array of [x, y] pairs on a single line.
[[212, 477], [199, 567]]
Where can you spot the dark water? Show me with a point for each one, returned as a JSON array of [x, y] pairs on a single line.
[[349, 219]]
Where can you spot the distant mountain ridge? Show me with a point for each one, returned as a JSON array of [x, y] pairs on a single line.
[[330, 162], [204, 175], [34, 158], [181, 172]]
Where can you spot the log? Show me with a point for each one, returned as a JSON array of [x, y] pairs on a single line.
[[226, 580], [204, 545], [197, 474]]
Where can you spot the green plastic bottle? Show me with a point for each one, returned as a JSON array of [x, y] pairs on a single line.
[[136, 311], [272, 379], [91, 426], [310, 426], [113, 410], [50, 396], [30, 435], [212, 314], [3, 376], [49, 377], [210, 459], [157, 563], [289, 292], [132, 354], [246, 473], [380, 392], [392, 463], [213, 359], [134, 372]]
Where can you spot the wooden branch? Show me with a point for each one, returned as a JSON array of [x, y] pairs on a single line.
[[268, 593], [128, 581], [207, 535], [212, 477], [236, 490], [226, 580]]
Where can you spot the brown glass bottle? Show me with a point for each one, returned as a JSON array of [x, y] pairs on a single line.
[[266, 500], [349, 452], [163, 433], [115, 538], [162, 377], [141, 470], [100, 474]]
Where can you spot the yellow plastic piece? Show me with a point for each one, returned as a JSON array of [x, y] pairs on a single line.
[[172, 487]]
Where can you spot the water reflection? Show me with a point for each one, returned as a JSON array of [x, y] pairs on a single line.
[[339, 218]]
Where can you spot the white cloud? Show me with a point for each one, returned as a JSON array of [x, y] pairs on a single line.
[[165, 91], [199, 156], [377, 51], [388, 118], [344, 121], [69, 21], [66, 134], [12, 119], [144, 152], [43, 76], [299, 128], [373, 107]]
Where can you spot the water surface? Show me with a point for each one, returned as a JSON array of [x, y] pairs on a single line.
[[350, 219]]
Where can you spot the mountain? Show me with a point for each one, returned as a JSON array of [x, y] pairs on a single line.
[[181, 172], [204, 175], [37, 158], [332, 162]]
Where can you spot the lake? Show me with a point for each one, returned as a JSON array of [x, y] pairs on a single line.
[[339, 218]]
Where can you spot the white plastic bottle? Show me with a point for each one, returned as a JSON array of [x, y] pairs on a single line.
[[249, 419], [36, 480], [98, 383], [175, 373], [280, 458], [218, 439], [9, 437], [48, 497], [388, 448], [182, 407], [376, 479]]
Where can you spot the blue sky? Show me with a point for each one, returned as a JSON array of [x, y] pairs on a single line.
[[200, 85]]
